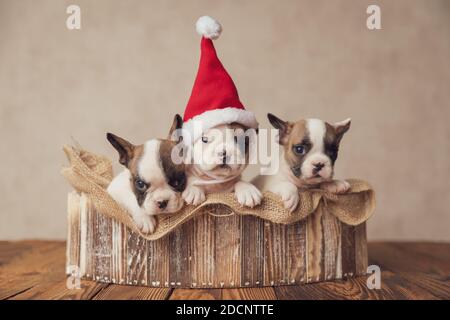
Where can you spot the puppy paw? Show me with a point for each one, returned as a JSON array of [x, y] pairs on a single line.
[[247, 194], [194, 195], [290, 200], [289, 195], [145, 223], [336, 186]]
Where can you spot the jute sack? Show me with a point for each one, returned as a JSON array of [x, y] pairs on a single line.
[[91, 174]]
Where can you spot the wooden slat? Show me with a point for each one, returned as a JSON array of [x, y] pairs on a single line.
[[332, 246], [314, 247], [158, 262], [361, 258], [136, 259], [348, 251], [296, 254], [196, 294], [86, 238], [227, 268], [252, 251], [266, 293], [124, 292], [204, 243], [275, 258], [119, 253], [102, 248], [73, 233], [179, 253]]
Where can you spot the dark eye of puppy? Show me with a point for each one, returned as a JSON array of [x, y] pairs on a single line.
[[140, 185], [205, 139], [299, 149], [178, 183]]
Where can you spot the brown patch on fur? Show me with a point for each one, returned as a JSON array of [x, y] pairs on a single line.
[[175, 173], [297, 134], [332, 139], [133, 163], [177, 124], [284, 128], [123, 147], [129, 156], [133, 167]]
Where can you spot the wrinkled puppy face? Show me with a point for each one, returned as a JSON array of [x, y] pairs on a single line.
[[310, 147], [156, 181], [222, 151]]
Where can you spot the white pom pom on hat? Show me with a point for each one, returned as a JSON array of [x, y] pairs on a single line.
[[208, 27]]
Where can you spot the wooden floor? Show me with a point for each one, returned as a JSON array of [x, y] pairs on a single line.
[[35, 270]]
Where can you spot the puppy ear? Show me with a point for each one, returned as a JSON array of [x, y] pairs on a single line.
[[125, 148], [175, 129], [341, 128], [281, 125]]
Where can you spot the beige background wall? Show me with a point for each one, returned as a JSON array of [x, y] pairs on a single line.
[[132, 65]]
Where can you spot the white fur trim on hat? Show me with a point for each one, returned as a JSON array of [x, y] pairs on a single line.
[[208, 27], [212, 118]]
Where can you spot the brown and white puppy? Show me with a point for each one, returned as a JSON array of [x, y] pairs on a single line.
[[218, 159], [309, 151], [151, 182]]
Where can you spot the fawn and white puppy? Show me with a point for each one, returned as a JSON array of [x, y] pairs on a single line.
[[309, 151], [151, 182], [218, 159]]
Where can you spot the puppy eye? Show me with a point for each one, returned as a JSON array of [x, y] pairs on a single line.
[[205, 139], [140, 185], [299, 149]]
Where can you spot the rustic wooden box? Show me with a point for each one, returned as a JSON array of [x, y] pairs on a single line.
[[211, 251]]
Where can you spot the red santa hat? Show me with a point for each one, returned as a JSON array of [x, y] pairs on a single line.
[[214, 99]]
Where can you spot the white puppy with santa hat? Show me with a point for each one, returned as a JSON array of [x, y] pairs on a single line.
[[217, 130]]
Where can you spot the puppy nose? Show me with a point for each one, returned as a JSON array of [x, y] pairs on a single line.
[[318, 166], [222, 153], [162, 204]]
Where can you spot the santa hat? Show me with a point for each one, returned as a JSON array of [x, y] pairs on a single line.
[[214, 99]]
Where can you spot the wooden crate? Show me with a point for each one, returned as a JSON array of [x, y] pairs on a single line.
[[214, 252]]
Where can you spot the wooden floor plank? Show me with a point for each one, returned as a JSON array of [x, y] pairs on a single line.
[[11, 250], [36, 270], [196, 294], [400, 257], [122, 292], [434, 286], [59, 291], [393, 287], [266, 293], [435, 249], [35, 262], [352, 289]]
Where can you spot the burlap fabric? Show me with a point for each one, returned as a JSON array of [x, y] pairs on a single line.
[[91, 174]]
